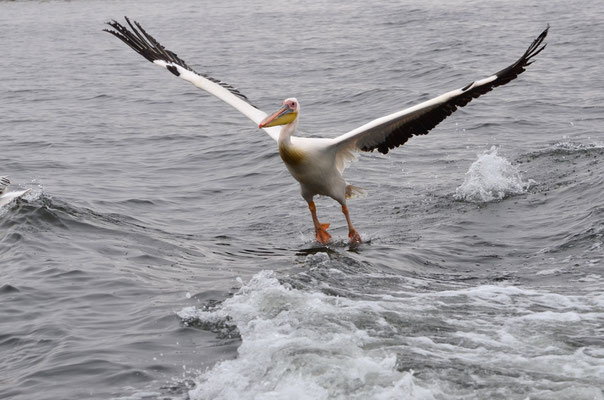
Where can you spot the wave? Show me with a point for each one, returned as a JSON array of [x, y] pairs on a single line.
[[39, 208], [297, 344], [34, 194], [468, 342], [492, 178]]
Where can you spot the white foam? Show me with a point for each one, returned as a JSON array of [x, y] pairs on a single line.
[[491, 178], [569, 145], [32, 194], [300, 344]]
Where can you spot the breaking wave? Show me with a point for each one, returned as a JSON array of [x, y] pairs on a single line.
[[458, 343]]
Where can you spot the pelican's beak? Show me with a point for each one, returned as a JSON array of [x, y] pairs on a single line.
[[282, 116]]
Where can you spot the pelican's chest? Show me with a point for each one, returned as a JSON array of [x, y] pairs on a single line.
[[291, 155]]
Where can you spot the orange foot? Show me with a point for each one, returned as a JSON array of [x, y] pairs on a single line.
[[354, 237], [322, 235]]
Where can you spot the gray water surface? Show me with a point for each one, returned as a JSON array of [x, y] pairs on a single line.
[[165, 252]]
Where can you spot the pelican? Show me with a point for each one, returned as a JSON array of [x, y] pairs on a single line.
[[318, 163]]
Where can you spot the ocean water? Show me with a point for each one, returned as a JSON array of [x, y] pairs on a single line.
[[164, 252]]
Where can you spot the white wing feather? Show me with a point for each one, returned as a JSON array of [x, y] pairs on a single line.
[[144, 44], [223, 94]]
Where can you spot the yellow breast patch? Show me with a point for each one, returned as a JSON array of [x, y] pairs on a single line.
[[290, 155]]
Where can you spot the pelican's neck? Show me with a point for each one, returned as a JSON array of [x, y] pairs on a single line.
[[286, 133]]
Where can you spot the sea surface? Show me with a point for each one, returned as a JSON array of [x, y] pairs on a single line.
[[164, 251]]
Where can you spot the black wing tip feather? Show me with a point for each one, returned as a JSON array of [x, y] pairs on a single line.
[[507, 74], [144, 44]]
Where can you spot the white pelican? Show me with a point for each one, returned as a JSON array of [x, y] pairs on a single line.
[[318, 163]]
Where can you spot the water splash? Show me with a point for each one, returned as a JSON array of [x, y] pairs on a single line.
[[456, 343], [35, 192], [303, 345], [491, 178]]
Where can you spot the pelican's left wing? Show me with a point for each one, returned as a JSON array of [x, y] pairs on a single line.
[[145, 45], [394, 130]]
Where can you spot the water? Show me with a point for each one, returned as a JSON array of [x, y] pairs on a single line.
[[165, 253]]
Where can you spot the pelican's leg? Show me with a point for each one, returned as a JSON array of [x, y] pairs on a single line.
[[352, 233], [320, 229]]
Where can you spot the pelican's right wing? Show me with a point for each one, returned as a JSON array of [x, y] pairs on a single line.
[[145, 45]]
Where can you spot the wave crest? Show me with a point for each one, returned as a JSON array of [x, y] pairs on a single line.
[[298, 344]]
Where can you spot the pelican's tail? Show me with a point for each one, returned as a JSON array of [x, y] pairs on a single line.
[[4, 182], [353, 192]]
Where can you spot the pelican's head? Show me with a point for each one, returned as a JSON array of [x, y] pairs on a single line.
[[287, 114]]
